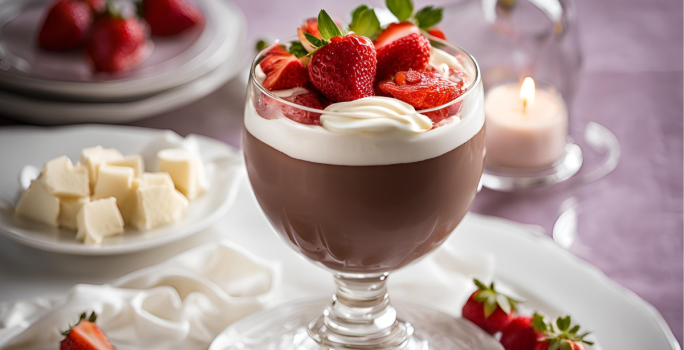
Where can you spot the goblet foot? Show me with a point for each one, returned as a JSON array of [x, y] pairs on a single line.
[[287, 327]]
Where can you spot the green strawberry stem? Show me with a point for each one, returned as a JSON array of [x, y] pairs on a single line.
[[84, 317], [559, 333], [493, 299], [425, 18]]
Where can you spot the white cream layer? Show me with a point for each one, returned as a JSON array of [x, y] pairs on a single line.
[[364, 147]]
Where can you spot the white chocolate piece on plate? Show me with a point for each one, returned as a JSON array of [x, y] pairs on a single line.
[[37, 204], [113, 181], [157, 179], [158, 205], [134, 161], [99, 219], [185, 169], [64, 179], [93, 157], [68, 211]]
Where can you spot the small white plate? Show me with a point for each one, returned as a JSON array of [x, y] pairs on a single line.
[[35, 146], [174, 61]]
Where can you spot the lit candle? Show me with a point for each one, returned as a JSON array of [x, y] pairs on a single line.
[[526, 126]]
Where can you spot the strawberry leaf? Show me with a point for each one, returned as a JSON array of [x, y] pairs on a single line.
[[327, 27], [297, 49], [539, 323], [402, 9], [502, 300], [314, 40], [428, 17], [261, 44], [563, 323], [365, 22], [565, 345], [554, 344]]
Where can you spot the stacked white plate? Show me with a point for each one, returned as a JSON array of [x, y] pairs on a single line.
[[54, 88]]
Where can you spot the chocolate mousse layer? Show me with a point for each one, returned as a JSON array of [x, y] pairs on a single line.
[[364, 219]]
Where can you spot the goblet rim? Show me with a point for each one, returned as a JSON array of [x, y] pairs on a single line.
[[468, 91]]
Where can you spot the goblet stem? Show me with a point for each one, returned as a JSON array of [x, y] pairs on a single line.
[[360, 316]]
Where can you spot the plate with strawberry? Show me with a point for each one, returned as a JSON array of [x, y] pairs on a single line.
[[114, 50]]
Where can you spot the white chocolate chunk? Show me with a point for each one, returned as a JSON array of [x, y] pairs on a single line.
[[157, 179], [37, 204], [68, 211], [134, 161], [99, 219], [114, 181], [157, 206], [185, 169], [93, 157], [63, 179]]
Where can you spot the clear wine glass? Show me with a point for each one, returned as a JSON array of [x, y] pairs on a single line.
[[361, 222]]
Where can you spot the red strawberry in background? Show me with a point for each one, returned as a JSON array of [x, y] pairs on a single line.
[[401, 47], [520, 334], [342, 68], [85, 335], [561, 335], [283, 70], [311, 26], [66, 26], [170, 17], [489, 309], [98, 6], [116, 43]]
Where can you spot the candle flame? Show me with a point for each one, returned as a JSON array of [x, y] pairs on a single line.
[[527, 91]]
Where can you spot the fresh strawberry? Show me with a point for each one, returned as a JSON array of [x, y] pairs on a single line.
[[170, 17], [562, 335], [436, 32], [488, 309], [422, 89], [401, 47], [66, 26], [85, 335], [520, 335], [116, 43], [342, 68]]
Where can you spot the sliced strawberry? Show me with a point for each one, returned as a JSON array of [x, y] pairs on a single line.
[[66, 26], [309, 99], [85, 335], [278, 50], [422, 90], [270, 108], [283, 71], [436, 32], [311, 26], [401, 47]]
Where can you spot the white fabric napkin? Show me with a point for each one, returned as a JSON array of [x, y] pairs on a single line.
[[182, 303]]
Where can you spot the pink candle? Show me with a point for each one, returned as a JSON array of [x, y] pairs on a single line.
[[526, 127]]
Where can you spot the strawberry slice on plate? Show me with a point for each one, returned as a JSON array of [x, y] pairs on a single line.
[[85, 335], [66, 26], [283, 71], [401, 47]]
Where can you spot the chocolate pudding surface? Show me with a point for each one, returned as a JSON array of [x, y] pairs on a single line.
[[364, 219]]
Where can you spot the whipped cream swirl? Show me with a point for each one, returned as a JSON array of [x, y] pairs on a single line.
[[375, 115]]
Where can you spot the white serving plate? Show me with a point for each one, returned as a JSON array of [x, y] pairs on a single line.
[[173, 61], [48, 112], [35, 146], [548, 277]]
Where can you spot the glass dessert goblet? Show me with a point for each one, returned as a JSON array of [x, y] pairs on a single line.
[[364, 204]]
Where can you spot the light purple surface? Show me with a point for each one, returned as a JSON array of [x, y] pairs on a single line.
[[632, 84]]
